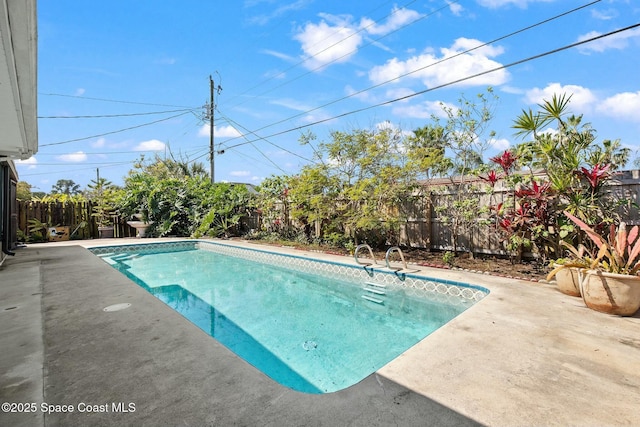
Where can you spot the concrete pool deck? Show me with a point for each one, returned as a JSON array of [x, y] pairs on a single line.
[[525, 355]]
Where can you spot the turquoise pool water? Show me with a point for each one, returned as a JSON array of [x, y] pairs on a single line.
[[309, 332]]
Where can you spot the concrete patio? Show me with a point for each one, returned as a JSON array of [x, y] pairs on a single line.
[[525, 355]]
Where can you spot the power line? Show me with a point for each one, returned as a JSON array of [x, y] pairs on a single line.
[[259, 138], [512, 64], [115, 115], [258, 150], [102, 165], [114, 100], [239, 153], [115, 131], [107, 152], [70, 163]]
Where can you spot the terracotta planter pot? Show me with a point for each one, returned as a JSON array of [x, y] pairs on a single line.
[[568, 280], [611, 293]]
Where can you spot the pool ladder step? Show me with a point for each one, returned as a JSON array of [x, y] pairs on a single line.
[[374, 292]]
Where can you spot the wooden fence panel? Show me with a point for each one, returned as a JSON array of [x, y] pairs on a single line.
[[69, 214], [626, 187]]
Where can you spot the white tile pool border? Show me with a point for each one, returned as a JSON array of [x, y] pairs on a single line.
[[451, 292]]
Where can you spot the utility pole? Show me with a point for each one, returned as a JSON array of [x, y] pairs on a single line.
[[211, 151]]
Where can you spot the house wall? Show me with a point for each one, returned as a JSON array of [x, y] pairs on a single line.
[[8, 209]]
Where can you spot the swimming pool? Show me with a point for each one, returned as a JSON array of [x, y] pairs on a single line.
[[313, 326]]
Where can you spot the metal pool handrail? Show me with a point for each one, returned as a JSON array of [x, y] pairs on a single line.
[[355, 254], [395, 249]]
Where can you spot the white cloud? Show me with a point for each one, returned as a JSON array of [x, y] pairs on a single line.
[[456, 8], [274, 74], [335, 39], [397, 18], [623, 105], [617, 41], [167, 61], [31, 162], [151, 145], [395, 129], [500, 144], [582, 99], [512, 90], [77, 157], [291, 104], [278, 55], [314, 114], [219, 131], [423, 110], [225, 132], [99, 143], [604, 15], [317, 116], [549, 131], [240, 173], [323, 43], [79, 92], [495, 4], [362, 96], [263, 19], [385, 125], [400, 92], [452, 65]]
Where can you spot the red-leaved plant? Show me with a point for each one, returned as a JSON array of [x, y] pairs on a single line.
[[492, 177], [506, 160], [619, 253], [597, 175]]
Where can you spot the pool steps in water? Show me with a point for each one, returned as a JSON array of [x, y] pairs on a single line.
[[377, 289]]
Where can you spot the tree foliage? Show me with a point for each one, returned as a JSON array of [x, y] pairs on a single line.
[[568, 154], [466, 137], [65, 186], [179, 199], [576, 166], [356, 187], [23, 190], [104, 195]]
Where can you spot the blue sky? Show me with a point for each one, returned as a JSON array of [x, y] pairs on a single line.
[[300, 64]]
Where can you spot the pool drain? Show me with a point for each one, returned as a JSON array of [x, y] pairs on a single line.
[[309, 345], [117, 307]]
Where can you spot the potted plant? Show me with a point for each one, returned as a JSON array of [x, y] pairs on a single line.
[[612, 284], [568, 271]]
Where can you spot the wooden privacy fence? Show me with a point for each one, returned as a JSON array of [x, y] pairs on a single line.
[[423, 227], [75, 215]]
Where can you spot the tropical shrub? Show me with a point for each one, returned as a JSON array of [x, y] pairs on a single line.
[[618, 251], [104, 196], [577, 168], [179, 199], [465, 137], [356, 187]]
